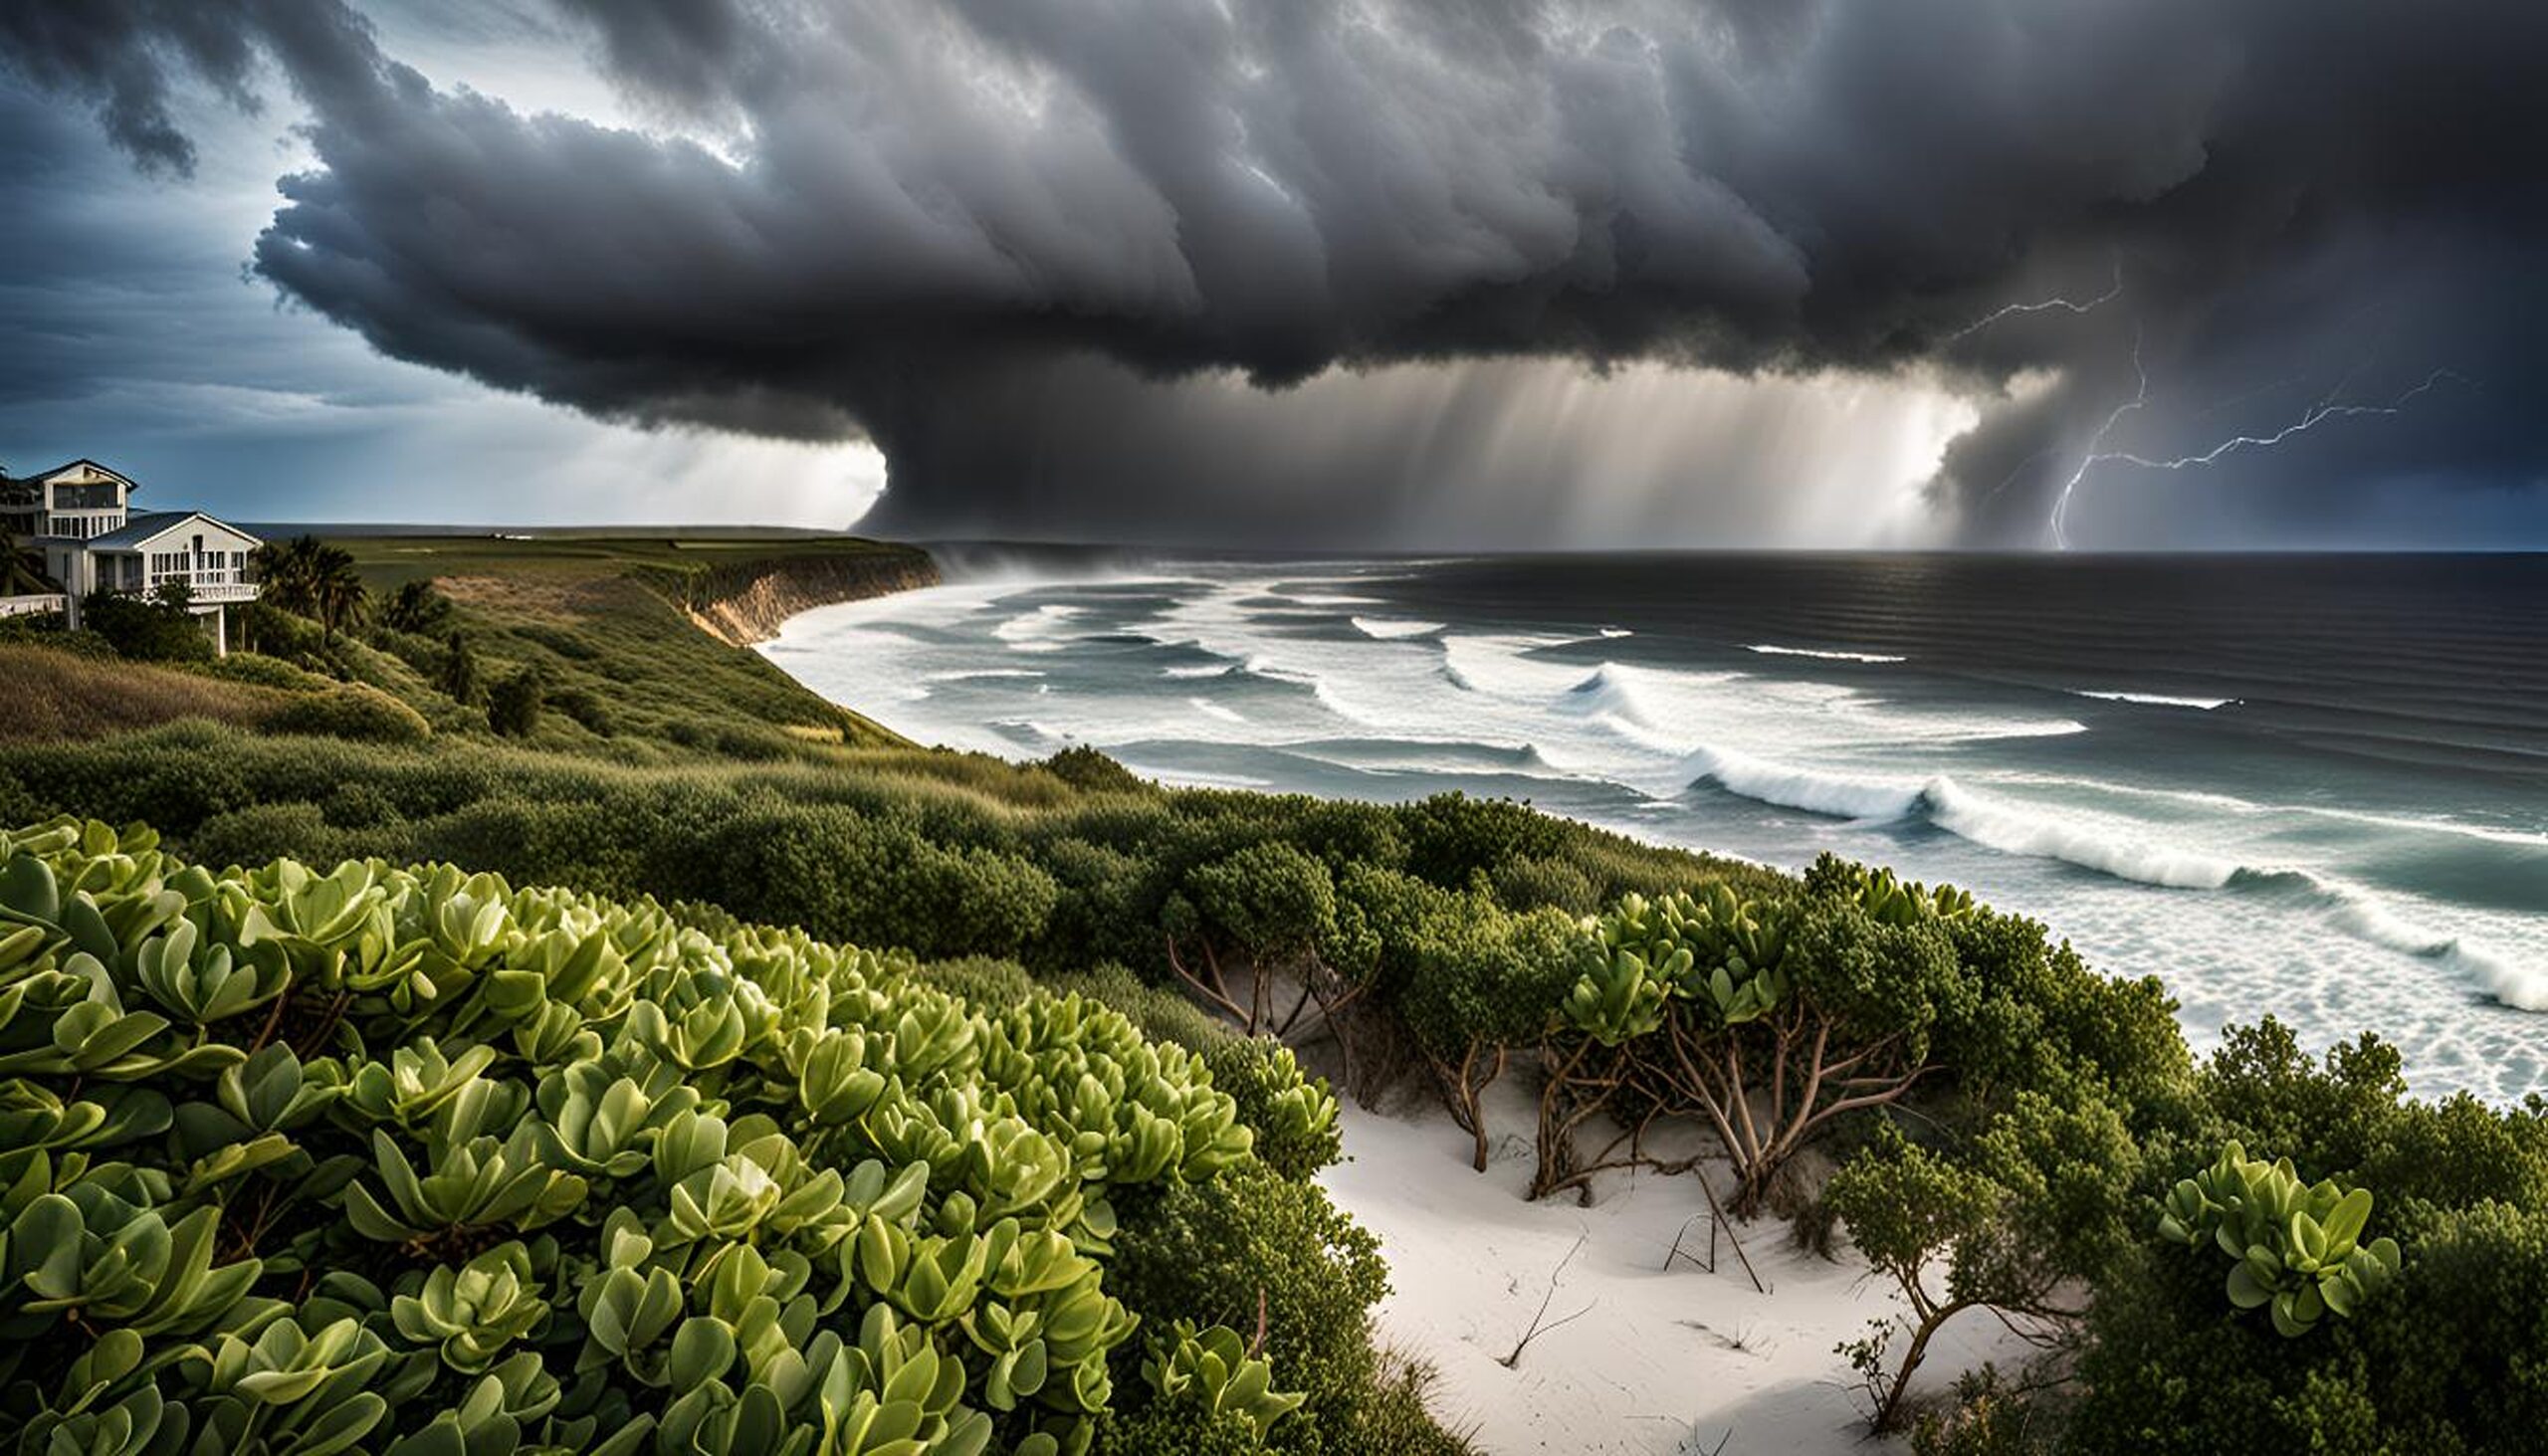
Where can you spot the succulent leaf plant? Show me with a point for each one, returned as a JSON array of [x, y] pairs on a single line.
[[378, 1158], [2294, 1248]]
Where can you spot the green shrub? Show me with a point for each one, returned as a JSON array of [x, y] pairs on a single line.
[[986, 981], [1452, 836], [459, 679], [1084, 767], [48, 631], [1293, 1115], [1552, 882], [2445, 1356], [248, 836], [515, 707], [145, 630], [840, 873], [1224, 1249], [587, 708], [354, 712], [402, 1161], [416, 609], [1163, 1014], [2298, 1249], [263, 671], [268, 629]]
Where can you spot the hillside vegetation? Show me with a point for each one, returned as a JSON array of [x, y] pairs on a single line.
[[53, 694], [607, 638]]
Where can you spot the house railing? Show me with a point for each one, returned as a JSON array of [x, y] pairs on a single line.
[[199, 591], [36, 605]]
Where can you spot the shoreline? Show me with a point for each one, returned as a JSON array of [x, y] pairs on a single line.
[[774, 591]]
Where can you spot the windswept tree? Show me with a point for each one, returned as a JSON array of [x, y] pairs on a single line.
[[1769, 1021], [1252, 927]]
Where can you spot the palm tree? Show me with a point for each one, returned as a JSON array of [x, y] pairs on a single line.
[[337, 591], [288, 572], [310, 578]]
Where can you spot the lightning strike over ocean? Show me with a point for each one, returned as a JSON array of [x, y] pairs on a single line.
[[2319, 413]]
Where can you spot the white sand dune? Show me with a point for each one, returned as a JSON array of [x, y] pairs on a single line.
[[1652, 1361]]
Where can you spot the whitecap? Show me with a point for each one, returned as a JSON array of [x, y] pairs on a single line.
[[1045, 629], [2155, 700], [1774, 650], [1387, 628]]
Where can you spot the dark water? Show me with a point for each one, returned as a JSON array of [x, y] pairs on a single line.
[[2312, 785]]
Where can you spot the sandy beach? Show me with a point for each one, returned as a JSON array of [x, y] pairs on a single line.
[[1650, 1360]]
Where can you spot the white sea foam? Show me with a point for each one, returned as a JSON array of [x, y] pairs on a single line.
[[1201, 669], [1212, 708], [2367, 917], [1616, 632], [1774, 650], [1045, 629], [966, 675], [2156, 699], [1387, 628]]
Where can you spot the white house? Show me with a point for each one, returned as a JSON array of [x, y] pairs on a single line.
[[79, 518]]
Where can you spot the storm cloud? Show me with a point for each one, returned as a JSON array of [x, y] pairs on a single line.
[[1168, 269]]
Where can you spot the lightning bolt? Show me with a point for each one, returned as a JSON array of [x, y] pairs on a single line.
[[2317, 414], [2043, 306], [2312, 418], [2095, 453]]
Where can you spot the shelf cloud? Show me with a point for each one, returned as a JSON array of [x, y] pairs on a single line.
[[1045, 254]]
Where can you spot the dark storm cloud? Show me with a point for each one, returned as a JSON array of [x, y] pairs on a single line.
[[972, 231]]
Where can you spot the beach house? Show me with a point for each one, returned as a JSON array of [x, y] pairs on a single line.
[[78, 520]]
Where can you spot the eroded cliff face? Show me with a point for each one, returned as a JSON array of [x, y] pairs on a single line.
[[747, 604]]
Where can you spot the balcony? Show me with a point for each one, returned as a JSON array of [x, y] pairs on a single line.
[[201, 591]]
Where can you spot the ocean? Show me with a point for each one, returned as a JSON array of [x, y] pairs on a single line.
[[2315, 786]]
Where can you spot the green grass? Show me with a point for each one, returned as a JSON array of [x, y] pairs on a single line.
[[387, 561], [60, 695], [608, 621]]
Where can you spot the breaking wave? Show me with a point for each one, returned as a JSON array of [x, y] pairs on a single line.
[[1774, 650], [1386, 629], [2156, 699], [2103, 848]]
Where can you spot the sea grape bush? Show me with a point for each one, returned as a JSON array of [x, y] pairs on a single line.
[[417, 1161], [2295, 1248]]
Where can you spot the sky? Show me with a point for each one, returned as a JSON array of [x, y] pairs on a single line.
[[1395, 273]]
